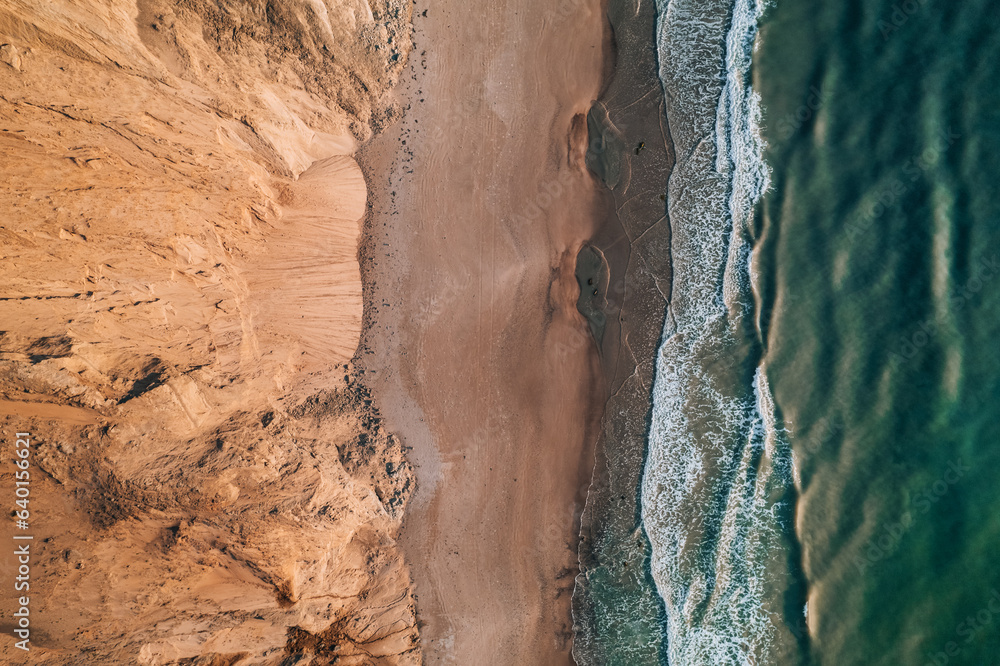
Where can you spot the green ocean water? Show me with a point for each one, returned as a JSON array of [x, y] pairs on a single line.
[[878, 262], [821, 476]]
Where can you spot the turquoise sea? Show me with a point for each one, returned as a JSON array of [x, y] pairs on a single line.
[[822, 482], [879, 247]]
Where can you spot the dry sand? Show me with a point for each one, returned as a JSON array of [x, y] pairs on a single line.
[[180, 299], [474, 345]]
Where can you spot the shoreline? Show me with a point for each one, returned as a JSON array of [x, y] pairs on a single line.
[[468, 260], [614, 551]]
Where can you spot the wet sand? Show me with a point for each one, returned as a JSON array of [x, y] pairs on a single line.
[[477, 355], [615, 600]]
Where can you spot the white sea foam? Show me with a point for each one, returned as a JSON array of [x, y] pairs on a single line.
[[717, 464]]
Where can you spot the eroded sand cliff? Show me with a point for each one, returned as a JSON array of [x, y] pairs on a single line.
[[180, 304]]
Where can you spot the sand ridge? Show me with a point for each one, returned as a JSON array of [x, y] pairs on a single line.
[[181, 301]]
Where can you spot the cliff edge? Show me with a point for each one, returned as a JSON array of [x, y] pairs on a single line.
[[180, 301]]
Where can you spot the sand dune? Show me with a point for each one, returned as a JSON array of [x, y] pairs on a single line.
[[181, 300]]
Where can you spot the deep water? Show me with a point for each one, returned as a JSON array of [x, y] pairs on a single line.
[[880, 310]]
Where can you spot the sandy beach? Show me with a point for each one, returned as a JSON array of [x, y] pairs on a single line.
[[292, 311], [480, 201]]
